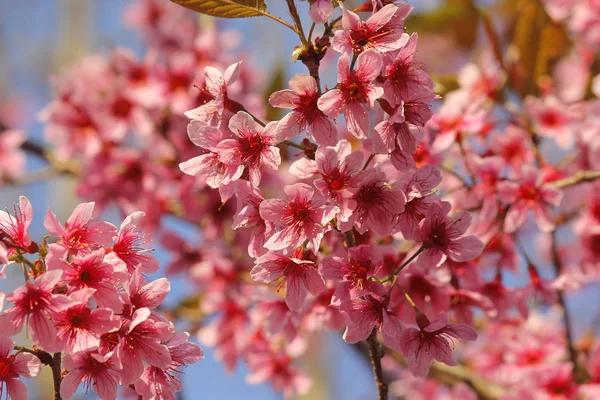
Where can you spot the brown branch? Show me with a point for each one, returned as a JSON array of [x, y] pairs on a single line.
[[578, 177], [56, 375], [376, 353]]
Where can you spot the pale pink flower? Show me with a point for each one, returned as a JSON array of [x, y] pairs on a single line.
[[12, 158], [248, 215], [515, 151], [275, 368], [15, 227], [369, 312], [320, 11], [208, 164], [94, 370], [305, 115], [79, 326], [382, 32], [294, 221], [529, 194], [352, 275], [443, 236], [299, 275], [377, 204], [253, 146], [430, 342], [93, 270], [215, 91], [157, 383], [79, 234], [552, 118], [488, 173], [127, 248], [34, 304], [355, 91], [13, 367]]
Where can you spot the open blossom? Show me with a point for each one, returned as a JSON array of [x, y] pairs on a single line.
[[381, 32], [16, 227], [529, 194], [12, 158], [94, 370], [127, 248], [320, 11], [277, 369], [248, 215], [79, 326], [252, 146], [294, 221], [79, 234], [34, 304], [352, 276], [141, 294], [13, 367], [443, 236], [209, 165], [551, 118], [305, 115], [157, 383], [299, 275], [377, 204], [430, 342], [355, 91], [214, 94]]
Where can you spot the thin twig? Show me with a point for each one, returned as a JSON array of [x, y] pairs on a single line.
[[375, 354], [578, 177]]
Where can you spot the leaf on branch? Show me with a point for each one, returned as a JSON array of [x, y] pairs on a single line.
[[226, 8]]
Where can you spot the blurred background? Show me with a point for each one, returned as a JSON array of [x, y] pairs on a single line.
[[40, 37]]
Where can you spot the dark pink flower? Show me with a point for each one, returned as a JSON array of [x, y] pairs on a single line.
[[529, 194], [352, 275], [79, 234], [141, 294], [79, 326], [253, 146], [93, 270], [430, 342], [94, 370], [443, 236], [305, 114], [355, 91], [15, 227], [157, 383], [299, 275], [127, 248], [34, 304], [377, 204], [13, 366], [294, 221], [381, 32]]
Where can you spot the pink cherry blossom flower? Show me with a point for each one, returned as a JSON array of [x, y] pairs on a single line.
[[248, 215], [127, 248], [352, 276], [93, 270], [320, 11], [369, 312], [34, 304], [141, 341], [512, 148], [215, 91], [305, 115], [12, 158], [443, 236], [294, 221], [430, 342], [529, 194], [551, 118], [208, 164], [275, 368], [339, 168], [377, 204], [79, 234], [299, 275], [355, 91], [163, 383], [94, 370], [13, 367], [79, 327], [141, 294], [253, 146], [403, 74], [15, 227], [488, 172], [382, 32]]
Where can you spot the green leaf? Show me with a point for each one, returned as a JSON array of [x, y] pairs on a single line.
[[226, 8]]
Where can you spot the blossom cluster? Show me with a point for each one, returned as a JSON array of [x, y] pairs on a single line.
[[371, 206], [85, 300]]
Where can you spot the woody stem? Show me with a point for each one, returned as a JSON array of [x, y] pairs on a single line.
[[375, 354], [56, 374]]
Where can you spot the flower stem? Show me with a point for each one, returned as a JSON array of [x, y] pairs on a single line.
[[376, 354], [56, 375]]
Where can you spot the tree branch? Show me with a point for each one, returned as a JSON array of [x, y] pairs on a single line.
[[578, 177], [376, 353]]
